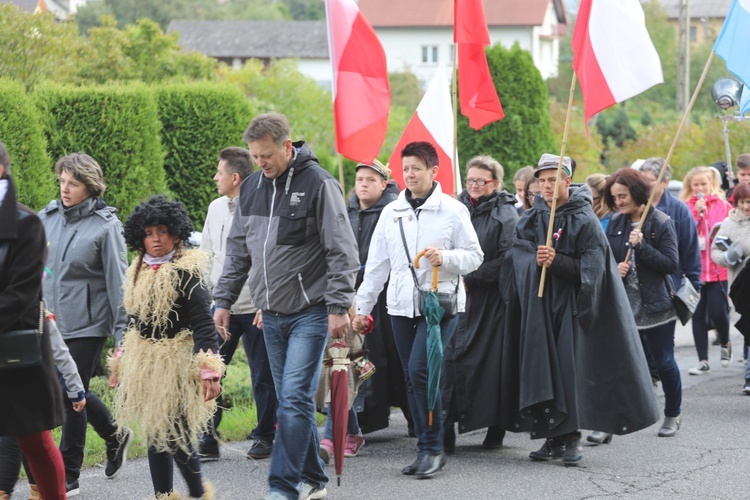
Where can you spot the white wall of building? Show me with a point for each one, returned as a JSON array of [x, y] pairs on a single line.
[[317, 69]]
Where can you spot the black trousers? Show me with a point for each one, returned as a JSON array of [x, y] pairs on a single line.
[[161, 465], [85, 352]]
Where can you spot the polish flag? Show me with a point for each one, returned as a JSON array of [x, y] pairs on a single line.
[[361, 93], [433, 123], [613, 55]]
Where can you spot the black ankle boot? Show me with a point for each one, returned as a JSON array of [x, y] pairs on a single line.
[[494, 438], [572, 455], [449, 439], [552, 448]]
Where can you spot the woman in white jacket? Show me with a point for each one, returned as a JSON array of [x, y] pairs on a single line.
[[731, 246], [421, 219]]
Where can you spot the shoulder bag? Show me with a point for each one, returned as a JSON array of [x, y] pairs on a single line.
[[448, 300], [685, 299]]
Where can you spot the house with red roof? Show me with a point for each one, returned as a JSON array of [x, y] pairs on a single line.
[[417, 35]]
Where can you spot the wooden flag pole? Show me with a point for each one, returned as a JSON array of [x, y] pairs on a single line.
[[454, 92], [551, 229], [674, 146], [341, 173]]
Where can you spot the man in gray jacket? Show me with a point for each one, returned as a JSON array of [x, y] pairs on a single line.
[[291, 232]]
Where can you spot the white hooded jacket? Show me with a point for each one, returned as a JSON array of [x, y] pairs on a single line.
[[441, 222]]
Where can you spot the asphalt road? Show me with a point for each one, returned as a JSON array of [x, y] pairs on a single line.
[[707, 459]]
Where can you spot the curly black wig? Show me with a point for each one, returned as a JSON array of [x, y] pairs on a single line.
[[158, 210]]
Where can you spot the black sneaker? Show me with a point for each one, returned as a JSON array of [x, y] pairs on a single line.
[[117, 455], [73, 488], [208, 451], [260, 449]]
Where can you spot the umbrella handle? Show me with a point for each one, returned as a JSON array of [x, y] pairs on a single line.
[[434, 270]]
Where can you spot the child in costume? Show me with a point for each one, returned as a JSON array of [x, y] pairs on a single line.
[[167, 373]]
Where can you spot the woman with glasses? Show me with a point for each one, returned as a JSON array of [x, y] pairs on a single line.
[[531, 189], [471, 392]]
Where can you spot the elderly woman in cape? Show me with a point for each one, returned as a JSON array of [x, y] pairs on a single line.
[[168, 375]]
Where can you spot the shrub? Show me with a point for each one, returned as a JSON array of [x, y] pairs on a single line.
[[117, 126], [21, 132], [525, 132], [199, 120]]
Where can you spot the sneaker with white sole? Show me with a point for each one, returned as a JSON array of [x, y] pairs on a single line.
[[701, 369], [117, 452], [310, 492], [746, 389], [726, 355], [354, 443]]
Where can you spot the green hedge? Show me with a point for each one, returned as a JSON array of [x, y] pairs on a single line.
[[526, 131], [21, 132], [199, 120], [118, 126]]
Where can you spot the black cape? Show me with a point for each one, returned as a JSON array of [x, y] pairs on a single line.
[[572, 359], [471, 366]]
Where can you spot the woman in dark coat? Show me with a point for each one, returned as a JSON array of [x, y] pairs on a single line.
[[471, 393], [645, 274], [32, 401]]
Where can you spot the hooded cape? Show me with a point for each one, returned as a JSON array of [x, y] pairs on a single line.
[[573, 358]]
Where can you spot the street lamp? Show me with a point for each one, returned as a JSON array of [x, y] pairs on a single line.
[[726, 93]]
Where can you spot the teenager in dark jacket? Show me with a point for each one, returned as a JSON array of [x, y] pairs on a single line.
[[32, 401], [386, 388], [471, 368], [653, 259]]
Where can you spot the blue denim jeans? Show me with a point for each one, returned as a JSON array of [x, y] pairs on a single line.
[[295, 344], [411, 343], [660, 342], [352, 425]]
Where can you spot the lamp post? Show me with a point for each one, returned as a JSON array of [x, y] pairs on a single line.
[[726, 93]]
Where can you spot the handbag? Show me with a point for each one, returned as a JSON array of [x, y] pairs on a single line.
[[448, 300], [685, 299], [22, 348]]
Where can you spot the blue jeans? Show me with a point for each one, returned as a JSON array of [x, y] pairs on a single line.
[[660, 341], [411, 343], [352, 425], [295, 344]]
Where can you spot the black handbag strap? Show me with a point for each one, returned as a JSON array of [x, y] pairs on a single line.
[[408, 257], [406, 249]]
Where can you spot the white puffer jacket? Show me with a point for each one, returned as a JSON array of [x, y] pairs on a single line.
[[441, 222], [736, 227]]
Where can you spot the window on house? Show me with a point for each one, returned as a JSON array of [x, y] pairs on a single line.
[[693, 33], [429, 54]]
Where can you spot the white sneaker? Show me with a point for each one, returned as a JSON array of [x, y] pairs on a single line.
[[726, 355], [746, 389], [310, 492], [701, 369]]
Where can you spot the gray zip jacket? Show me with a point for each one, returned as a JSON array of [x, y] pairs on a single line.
[[85, 271], [293, 235]]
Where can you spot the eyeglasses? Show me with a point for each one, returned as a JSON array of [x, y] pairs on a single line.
[[531, 195], [478, 182]]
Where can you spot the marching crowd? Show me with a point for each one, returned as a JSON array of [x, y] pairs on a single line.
[[537, 337]]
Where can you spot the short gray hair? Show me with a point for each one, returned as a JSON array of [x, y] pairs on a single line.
[[488, 164], [84, 169], [273, 125], [654, 165], [4, 158]]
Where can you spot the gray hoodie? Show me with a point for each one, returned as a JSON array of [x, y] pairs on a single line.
[[86, 264]]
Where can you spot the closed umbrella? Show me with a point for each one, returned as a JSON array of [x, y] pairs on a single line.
[[433, 314], [339, 353]]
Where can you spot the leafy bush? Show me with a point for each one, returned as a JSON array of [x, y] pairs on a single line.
[[21, 132], [198, 121], [117, 126], [525, 132]]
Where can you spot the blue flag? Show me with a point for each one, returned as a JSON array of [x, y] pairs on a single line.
[[734, 40], [745, 101]]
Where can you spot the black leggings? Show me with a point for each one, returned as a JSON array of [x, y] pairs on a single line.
[[713, 304], [161, 465]]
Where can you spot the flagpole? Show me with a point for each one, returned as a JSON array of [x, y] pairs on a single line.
[[341, 174], [457, 169], [673, 147], [550, 229]]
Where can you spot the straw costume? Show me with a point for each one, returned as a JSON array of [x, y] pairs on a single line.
[[168, 348]]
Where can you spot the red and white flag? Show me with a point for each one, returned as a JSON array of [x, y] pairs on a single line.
[[433, 123], [613, 55], [476, 90], [361, 93]]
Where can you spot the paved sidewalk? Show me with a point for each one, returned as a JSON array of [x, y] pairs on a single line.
[[707, 459]]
